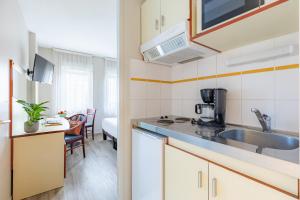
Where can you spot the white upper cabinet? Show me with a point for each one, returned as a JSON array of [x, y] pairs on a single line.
[[272, 19], [173, 12], [159, 15], [150, 19], [186, 176]]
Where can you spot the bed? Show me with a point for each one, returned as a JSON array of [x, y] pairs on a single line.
[[110, 129]]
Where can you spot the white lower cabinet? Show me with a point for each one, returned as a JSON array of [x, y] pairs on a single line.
[[227, 185], [190, 177], [186, 176]]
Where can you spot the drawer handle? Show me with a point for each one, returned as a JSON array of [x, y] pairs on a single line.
[[200, 183], [214, 187], [163, 20], [156, 24]]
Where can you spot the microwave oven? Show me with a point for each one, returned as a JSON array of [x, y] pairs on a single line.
[[213, 12]]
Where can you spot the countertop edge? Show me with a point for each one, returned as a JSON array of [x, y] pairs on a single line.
[[36, 134]]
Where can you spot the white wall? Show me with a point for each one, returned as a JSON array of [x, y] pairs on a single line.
[[45, 90], [14, 44], [99, 70], [274, 92], [128, 49]]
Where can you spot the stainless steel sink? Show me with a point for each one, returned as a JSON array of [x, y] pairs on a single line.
[[262, 140]]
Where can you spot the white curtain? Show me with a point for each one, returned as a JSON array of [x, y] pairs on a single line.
[[110, 88], [73, 83]]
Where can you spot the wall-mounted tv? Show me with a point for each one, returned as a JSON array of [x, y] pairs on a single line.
[[42, 70]]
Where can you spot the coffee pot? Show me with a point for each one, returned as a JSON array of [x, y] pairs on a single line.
[[212, 111]]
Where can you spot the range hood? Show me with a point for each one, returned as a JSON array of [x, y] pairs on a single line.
[[174, 46]]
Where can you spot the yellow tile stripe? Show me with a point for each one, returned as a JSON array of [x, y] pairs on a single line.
[[150, 80], [285, 67], [229, 74], [185, 80], [254, 71]]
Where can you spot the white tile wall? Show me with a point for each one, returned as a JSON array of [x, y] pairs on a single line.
[[287, 84], [177, 72], [153, 91], [258, 86], [287, 115], [150, 99], [137, 69], [234, 111], [190, 70], [188, 108], [166, 91], [274, 93], [153, 107], [137, 90], [233, 84], [260, 47], [166, 106], [189, 90], [207, 66], [177, 108], [137, 108]]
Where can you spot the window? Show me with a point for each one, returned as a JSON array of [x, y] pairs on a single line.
[[76, 88], [73, 83]]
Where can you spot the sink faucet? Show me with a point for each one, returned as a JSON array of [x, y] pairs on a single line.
[[264, 120]]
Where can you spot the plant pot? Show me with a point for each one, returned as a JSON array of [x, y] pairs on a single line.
[[31, 128]]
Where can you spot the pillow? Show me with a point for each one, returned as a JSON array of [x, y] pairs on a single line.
[[75, 128]]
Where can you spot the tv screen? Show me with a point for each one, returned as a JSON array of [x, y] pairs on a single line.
[[42, 70]]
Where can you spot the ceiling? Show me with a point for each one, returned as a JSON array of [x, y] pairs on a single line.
[[88, 26]]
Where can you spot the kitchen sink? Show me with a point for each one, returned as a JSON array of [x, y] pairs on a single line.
[[261, 139]]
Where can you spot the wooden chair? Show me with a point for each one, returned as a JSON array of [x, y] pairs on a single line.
[[91, 114], [71, 139]]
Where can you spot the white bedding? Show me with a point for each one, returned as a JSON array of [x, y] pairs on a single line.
[[110, 125]]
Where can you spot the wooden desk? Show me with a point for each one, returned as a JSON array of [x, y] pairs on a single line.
[[38, 160]]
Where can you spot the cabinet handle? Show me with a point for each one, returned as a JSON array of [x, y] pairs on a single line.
[[156, 24], [4, 122], [199, 179], [163, 20], [214, 187]]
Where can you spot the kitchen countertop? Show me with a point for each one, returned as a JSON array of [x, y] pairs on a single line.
[[18, 130], [283, 161]]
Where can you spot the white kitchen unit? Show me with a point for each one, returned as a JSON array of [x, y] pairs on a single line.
[[147, 165], [158, 16], [173, 12], [150, 19], [217, 177], [186, 176], [272, 19]]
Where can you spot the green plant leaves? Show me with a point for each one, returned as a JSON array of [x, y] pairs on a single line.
[[34, 111]]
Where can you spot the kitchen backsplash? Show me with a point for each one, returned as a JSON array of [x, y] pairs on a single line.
[[270, 85]]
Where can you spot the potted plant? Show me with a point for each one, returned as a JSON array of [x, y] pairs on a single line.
[[34, 112]]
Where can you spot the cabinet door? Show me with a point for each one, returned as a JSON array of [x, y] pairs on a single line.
[[150, 13], [186, 176], [227, 185], [173, 12]]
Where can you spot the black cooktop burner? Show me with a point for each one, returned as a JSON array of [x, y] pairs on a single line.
[[182, 119], [165, 121]]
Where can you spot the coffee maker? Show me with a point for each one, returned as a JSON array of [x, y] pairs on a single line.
[[212, 111]]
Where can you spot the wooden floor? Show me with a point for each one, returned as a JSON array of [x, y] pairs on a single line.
[[92, 178]]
